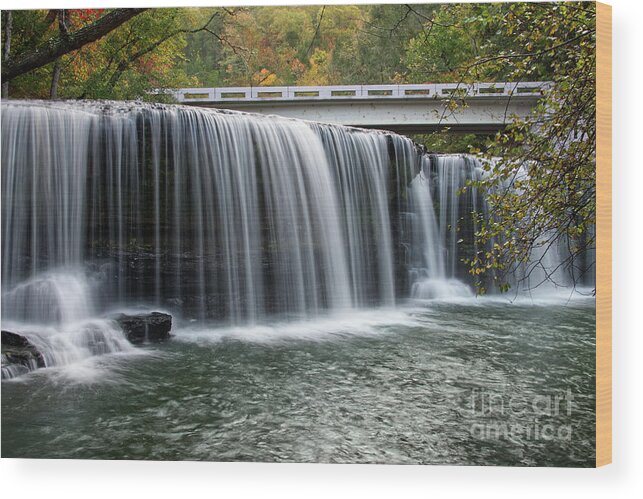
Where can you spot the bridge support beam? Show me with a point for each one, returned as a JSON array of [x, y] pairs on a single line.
[[478, 116]]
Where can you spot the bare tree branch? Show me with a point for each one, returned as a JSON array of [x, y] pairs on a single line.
[[321, 17]]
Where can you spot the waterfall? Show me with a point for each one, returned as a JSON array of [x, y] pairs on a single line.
[[54, 311], [61, 297], [214, 215], [444, 226], [221, 216]]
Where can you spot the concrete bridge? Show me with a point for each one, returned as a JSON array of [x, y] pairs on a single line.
[[400, 108]]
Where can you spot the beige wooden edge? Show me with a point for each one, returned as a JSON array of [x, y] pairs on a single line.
[[604, 234]]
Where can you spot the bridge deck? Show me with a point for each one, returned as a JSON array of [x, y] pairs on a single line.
[[404, 108]]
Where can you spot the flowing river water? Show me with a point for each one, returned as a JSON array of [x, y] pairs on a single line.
[[468, 382]]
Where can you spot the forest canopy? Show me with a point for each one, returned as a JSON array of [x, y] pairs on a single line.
[[310, 45], [307, 45]]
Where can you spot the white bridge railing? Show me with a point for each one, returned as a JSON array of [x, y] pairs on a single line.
[[357, 92]]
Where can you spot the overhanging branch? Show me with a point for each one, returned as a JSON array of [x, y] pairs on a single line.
[[61, 45]]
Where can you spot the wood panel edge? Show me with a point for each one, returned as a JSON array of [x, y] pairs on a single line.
[[603, 234]]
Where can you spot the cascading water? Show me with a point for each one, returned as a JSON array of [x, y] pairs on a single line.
[[57, 297], [443, 202], [445, 238], [54, 311], [218, 216]]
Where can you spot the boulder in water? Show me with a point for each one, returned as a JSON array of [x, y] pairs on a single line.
[[19, 355], [147, 327]]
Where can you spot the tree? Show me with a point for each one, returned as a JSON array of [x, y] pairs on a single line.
[[384, 40], [203, 53], [271, 45], [144, 53], [540, 181], [312, 45], [447, 42], [65, 42], [7, 26]]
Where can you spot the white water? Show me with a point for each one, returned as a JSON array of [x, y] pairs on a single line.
[[429, 289], [224, 216], [57, 297], [55, 312], [245, 220], [442, 223]]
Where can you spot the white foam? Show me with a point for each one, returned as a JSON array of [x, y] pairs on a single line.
[[74, 347], [431, 289], [337, 325], [59, 296]]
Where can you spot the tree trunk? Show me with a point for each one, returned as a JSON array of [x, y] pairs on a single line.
[[7, 50], [53, 92], [64, 32]]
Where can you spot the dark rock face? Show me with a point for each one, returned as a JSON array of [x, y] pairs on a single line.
[[143, 328], [15, 340], [19, 355]]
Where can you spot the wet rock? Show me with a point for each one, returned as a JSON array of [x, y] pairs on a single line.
[[19, 355], [145, 328], [15, 340]]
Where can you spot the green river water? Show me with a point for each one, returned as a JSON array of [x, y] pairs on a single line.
[[479, 381]]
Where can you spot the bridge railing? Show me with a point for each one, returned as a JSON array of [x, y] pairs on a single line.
[[357, 92]]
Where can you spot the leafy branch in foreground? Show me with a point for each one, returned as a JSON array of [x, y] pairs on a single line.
[[65, 43], [541, 189], [540, 171]]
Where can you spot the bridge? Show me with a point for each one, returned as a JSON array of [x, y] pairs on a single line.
[[400, 108]]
